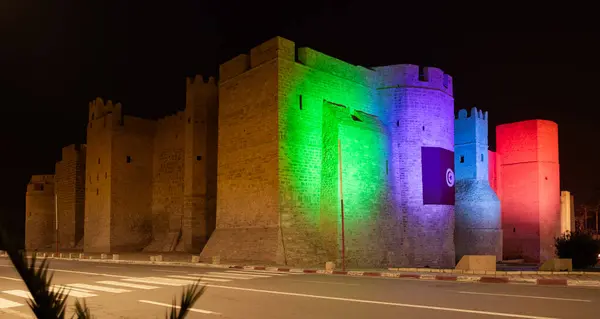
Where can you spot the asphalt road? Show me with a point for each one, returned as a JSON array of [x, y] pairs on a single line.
[[139, 291]]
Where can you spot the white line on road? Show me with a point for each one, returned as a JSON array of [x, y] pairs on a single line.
[[126, 284], [99, 288], [384, 303], [199, 278], [273, 272], [168, 305], [112, 267], [324, 282], [521, 296], [174, 271], [228, 276], [10, 278], [5, 303], [15, 313], [72, 292], [235, 272], [19, 293], [246, 272]]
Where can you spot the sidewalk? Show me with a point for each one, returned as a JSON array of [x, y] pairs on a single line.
[[574, 279]]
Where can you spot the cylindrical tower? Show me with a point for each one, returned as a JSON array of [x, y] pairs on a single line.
[[420, 114]]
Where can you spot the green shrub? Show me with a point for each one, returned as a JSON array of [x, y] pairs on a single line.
[[578, 246]]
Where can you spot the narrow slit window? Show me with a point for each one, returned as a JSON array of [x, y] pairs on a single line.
[[128, 159], [462, 159], [300, 102]]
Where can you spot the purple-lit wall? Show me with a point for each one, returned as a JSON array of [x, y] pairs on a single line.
[[420, 114]]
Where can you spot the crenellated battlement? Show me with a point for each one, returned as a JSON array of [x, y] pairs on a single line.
[[471, 128], [279, 47], [328, 64], [41, 184], [99, 109], [198, 83], [172, 120], [267, 51], [475, 114], [410, 75]]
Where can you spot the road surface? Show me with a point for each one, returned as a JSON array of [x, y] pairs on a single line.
[[146, 291]]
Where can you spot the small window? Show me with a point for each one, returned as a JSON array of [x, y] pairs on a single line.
[[97, 176], [482, 157], [93, 116], [105, 175], [128, 159], [98, 160], [300, 102], [29, 214], [397, 123], [198, 158], [422, 76], [423, 127], [387, 167], [462, 159], [97, 192], [189, 120], [546, 177]]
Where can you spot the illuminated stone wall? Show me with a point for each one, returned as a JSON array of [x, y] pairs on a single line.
[[200, 163], [119, 180], [282, 112], [567, 212], [529, 188], [40, 213], [478, 229], [70, 193]]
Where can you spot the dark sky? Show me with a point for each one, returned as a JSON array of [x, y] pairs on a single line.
[[56, 56]]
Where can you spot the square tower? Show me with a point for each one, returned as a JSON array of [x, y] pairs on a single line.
[[529, 188], [478, 219], [471, 145]]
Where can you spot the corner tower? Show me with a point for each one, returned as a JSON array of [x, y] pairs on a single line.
[[477, 208], [419, 111], [529, 188]]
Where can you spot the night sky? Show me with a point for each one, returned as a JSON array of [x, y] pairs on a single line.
[[56, 56]]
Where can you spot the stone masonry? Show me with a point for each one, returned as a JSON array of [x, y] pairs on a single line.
[[70, 196], [40, 211], [288, 113], [478, 219], [529, 188], [294, 157]]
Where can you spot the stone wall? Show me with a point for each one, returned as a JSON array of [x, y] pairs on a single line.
[[420, 113], [70, 194], [530, 188], [247, 223], [131, 184], [97, 226], [40, 213], [201, 147], [282, 113], [167, 184], [478, 229]]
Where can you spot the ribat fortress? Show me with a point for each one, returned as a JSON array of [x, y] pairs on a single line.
[[294, 157]]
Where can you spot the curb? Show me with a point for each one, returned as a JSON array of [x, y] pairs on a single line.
[[494, 272], [436, 275]]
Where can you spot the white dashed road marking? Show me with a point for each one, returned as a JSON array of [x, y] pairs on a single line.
[[169, 305], [127, 285]]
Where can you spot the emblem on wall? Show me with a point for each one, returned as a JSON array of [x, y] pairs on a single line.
[[437, 166]]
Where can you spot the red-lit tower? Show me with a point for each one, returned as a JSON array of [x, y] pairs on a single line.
[[529, 188]]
